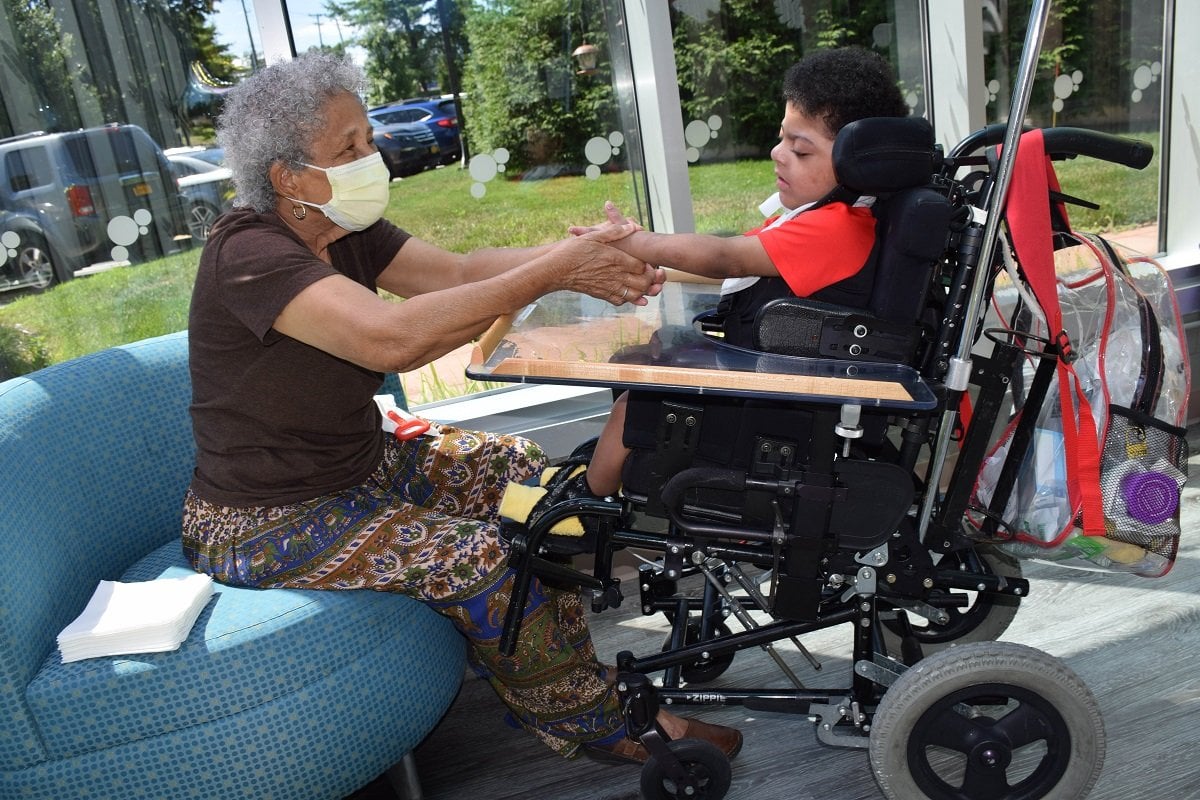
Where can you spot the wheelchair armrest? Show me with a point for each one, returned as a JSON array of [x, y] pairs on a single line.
[[673, 490], [797, 326], [673, 498]]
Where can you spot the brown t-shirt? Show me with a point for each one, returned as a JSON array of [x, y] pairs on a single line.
[[275, 420]]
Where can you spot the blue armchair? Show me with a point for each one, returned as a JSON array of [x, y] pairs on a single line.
[[276, 693]]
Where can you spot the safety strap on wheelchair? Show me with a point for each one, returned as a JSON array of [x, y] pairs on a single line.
[[675, 441], [1028, 214]]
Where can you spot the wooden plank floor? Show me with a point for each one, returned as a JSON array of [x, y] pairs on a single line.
[[1132, 640]]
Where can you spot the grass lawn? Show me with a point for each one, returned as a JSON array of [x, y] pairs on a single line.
[[143, 300]]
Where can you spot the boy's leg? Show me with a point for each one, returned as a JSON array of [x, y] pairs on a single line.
[[604, 471]]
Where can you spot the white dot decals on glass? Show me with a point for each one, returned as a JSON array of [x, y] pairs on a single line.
[[699, 133], [599, 150], [9, 242], [485, 167], [123, 231], [1064, 86], [1143, 77]]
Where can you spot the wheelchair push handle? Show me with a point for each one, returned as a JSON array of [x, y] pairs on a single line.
[[1067, 141]]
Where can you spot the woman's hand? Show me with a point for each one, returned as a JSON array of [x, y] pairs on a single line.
[[615, 230], [595, 268]]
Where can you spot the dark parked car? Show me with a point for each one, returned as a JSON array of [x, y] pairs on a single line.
[[437, 114], [205, 183], [407, 147], [82, 197]]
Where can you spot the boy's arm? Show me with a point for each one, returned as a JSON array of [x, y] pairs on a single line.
[[696, 253], [701, 253]]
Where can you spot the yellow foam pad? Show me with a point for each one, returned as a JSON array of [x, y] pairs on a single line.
[[518, 501], [550, 472]]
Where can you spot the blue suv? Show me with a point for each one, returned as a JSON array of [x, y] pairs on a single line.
[[406, 147], [438, 114]]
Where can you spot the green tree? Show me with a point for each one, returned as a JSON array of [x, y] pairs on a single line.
[[523, 89], [44, 61], [1096, 46], [731, 67], [732, 63], [200, 37], [403, 41]]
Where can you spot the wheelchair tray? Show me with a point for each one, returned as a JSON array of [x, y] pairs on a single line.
[[566, 338]]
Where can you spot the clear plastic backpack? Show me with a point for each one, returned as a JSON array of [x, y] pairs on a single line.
[[1102, 491]]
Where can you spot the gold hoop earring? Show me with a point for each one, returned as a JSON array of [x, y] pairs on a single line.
[[299, 211]]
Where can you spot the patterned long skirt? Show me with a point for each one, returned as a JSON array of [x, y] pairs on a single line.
[[426, 524]]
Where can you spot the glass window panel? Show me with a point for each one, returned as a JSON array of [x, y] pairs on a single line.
[[540, 100], [539, 123], [546, 117], [731, 58], [1100, 67], [92, 94]]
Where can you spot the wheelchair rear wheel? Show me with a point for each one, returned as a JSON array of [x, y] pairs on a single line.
[[706, 767], [990, 721], [707, 668], [984, 620]]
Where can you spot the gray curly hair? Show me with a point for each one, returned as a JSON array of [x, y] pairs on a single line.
[[274, 114]]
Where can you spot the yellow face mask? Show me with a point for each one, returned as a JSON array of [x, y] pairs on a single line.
[[360, 192]]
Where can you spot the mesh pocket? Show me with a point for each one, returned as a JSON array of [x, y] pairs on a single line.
[[1142, 472]]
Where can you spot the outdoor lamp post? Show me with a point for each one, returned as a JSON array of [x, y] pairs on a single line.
[[587, 55]]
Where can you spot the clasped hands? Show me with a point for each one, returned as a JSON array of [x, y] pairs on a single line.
[[616, 227]]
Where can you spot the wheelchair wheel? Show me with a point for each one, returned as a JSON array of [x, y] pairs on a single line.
[[703, 670], [984, 620], [703, 762], [991, 720]]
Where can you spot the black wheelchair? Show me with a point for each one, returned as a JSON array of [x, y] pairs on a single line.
[[775, 511]]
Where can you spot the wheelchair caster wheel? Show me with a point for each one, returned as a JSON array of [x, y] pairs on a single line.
[[987, 720], [706, 773], [703, 670]]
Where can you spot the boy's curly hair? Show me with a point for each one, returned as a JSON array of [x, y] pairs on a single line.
[[841, 85]]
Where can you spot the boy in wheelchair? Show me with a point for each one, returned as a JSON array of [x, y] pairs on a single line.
[[820, 246], [839, 497]]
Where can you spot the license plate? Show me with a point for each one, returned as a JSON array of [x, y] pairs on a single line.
[[433, 148], [142, 189]]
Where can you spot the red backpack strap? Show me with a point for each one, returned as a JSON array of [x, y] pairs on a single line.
[[1028, 215]]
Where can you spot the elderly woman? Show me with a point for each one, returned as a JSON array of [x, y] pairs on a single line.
[[296, 484]]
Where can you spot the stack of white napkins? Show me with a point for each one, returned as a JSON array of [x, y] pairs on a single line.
[[144, 617]]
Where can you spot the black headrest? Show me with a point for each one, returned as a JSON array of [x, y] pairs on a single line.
[[881, 155]]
